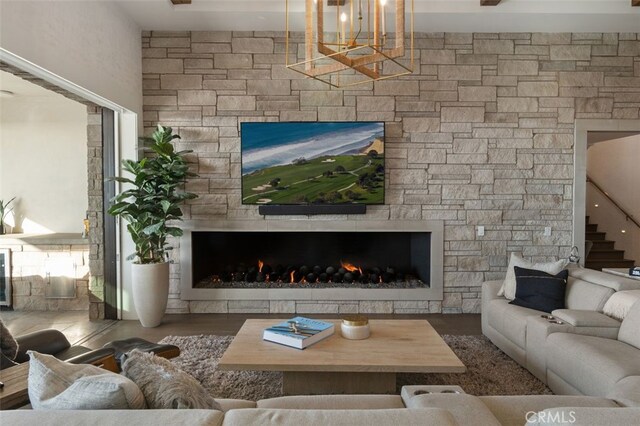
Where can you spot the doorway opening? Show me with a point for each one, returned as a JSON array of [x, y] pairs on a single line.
[[606, 204]]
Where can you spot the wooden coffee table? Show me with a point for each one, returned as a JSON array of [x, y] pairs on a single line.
[[14, 394], [340, 366]]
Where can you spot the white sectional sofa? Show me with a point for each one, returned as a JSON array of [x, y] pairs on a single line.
[[588, 353], [413, 407]]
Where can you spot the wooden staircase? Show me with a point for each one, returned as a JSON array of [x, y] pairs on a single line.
[[603, 253]]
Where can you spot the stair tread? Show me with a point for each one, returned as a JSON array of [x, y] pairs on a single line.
[[603, 253]]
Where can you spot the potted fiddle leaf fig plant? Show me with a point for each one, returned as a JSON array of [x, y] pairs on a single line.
[[4, 212], [150, 205]]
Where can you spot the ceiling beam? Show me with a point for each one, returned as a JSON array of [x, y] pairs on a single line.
[[635, 2], [493, 2], [176, 2]]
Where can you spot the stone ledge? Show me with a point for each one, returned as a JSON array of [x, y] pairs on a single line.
[[43, 239]]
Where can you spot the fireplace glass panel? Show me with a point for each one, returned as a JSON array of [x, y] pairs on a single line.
[[222, 259]]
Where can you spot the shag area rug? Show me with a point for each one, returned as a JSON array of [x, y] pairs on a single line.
[[489, 370]]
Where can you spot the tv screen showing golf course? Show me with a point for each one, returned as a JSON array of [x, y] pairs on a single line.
[[313, 163]]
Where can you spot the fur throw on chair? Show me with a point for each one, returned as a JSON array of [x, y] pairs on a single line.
[[164, 385], [8, 347]]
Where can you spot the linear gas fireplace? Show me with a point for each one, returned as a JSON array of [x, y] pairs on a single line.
[[257, 259], [317, 260]]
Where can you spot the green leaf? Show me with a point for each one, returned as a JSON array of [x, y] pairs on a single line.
[[166, 205]]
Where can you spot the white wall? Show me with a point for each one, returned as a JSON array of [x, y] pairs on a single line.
[[43, 162], [94, 45], [615, 166], [90, 43]]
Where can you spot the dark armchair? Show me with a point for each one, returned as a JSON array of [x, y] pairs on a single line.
[[53, 342]]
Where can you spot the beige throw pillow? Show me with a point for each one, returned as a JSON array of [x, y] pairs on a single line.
[[164, 385], [57, 385], [508, 288], [620, 303]]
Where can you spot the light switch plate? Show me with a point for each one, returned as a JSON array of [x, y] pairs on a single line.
[[480, 231], [547, 231]]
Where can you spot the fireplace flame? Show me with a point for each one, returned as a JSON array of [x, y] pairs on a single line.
[[349, 267], [260, 265], [291, 277]]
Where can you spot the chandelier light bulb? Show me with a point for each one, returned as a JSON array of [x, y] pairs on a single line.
[[343, 17], [384, 26]]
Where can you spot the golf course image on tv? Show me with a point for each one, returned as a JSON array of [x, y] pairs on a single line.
[[313, 163]]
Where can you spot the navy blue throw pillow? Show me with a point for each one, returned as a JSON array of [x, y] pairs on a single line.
[[539, 290]]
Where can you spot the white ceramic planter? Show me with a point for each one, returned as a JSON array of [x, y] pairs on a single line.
[[150, 284]]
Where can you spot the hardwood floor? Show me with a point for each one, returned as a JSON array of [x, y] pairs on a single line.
[[93, 334], [74, 324]]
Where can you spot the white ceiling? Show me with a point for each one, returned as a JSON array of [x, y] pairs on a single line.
[[430, 15]]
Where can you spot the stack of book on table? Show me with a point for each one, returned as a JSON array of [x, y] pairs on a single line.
[[298, 332]]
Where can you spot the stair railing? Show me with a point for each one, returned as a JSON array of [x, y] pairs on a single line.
[[606, 194]]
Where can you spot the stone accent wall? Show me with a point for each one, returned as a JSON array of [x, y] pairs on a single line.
[[29, 274], [480, 134], [95, 212]]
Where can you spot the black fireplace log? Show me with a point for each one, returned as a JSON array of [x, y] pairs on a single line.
[[305, 274]]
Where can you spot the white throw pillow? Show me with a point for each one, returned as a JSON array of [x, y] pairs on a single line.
[[57, 385], [620, 303], [508, 288]]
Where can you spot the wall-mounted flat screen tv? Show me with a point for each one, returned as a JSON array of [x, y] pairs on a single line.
[[299, 163]]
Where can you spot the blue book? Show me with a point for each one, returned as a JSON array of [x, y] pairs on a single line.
[[299, 332]]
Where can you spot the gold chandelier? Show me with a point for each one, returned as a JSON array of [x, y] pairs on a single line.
[[346, 41]]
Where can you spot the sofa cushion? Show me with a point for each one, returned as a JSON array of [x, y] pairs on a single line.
[[612, 281], [508, 288], [585, 416], [512, 410], [592, 365], [510, 320], [630, 328], [583, 295], [333, 402], [235, 404], [112, 417], [58, 385], [539, 290], [627, 392], [281, 417], [582, 318], [466, 409]]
